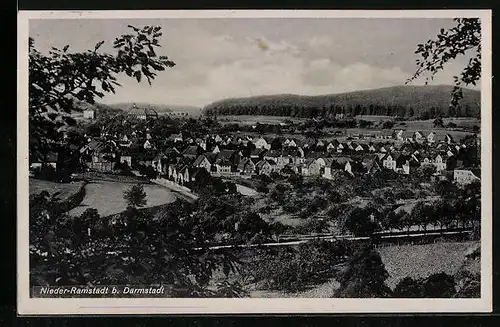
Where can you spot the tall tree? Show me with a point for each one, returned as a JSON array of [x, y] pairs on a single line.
[[462, 39], [135, 196], [365, 276], [57, 79]]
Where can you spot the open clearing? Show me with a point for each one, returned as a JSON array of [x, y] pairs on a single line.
[[61, 190], [107, 197], [420, 261]]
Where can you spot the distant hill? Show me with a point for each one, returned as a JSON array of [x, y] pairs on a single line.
[[159, 108], [408, 101]]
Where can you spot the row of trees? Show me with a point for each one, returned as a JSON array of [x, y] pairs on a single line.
[[310, 111]]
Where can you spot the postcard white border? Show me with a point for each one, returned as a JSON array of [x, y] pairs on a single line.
[[31, 306]]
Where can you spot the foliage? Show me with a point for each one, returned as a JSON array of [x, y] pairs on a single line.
[[438, 122], [57, 79], [293, 270], [364, 276], [163, 248], [462, 39], [135, 196], [408, 288], [401, 101], [361, 221]]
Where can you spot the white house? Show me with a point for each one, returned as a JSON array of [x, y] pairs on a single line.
[[89, 114], [389, 162], [440, 163]]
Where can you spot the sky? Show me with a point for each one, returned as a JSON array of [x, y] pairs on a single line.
[[239, 57]]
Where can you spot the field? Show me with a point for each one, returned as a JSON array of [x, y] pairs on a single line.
[[61, 190], [400, 261], [418, 261], [251, 120], [107, 197]]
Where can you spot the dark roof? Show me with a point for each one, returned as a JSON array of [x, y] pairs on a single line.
[[199, 159], [191, 150]]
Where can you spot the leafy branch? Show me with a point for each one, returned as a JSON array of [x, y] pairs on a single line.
[[462, 39]]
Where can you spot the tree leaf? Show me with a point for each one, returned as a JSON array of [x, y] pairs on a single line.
[[98, 45]]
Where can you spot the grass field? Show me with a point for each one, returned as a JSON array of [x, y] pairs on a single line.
[[420, 261], [251, 120], [61, 190], [107, 197]]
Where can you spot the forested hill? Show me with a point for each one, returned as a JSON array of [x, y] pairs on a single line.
[[408, 101]]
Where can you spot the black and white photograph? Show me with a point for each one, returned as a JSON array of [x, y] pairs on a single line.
[[206, 161]]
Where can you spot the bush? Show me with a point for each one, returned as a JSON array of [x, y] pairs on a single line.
[[292, 270]]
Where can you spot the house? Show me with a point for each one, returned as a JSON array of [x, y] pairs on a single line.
[[89, 114], [261, 143], [272, 155], [246, 167], [341, 164], [430, 137], [389, 162], [126, 158], [275, 143], [216, 149], [372, 147], [402, 164], [463, 176], [370, 164], [198, 174], [263, 167], [147, 145], [258, 153], [146, 159], [217, 139], [361, 148], [284, 159], [308, 143], [157, 162], [310, 168], [449, 139], [418, 137], [399, 135], [202, 162], [223, 166], [192, 152], [440, 162], [291, 143], [332, 146], [183, 175], [232, 156], [176, 138], [341, 147]]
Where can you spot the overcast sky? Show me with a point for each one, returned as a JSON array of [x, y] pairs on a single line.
[[221, 58]]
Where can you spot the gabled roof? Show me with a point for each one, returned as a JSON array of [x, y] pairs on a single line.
[[244, 162], [272, 154], [199, 160], [191, 150], [223, 162], [258, 152], [226, 154]]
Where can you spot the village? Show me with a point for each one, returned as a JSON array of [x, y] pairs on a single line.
[[182, 157]]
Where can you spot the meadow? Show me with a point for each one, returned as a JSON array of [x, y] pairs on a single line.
[[107, 197], [420, 261], [60, 190]]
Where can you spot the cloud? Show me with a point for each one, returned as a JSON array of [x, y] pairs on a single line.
[[215, 62]]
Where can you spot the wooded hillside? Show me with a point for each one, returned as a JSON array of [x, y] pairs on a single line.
[[423, 102]]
